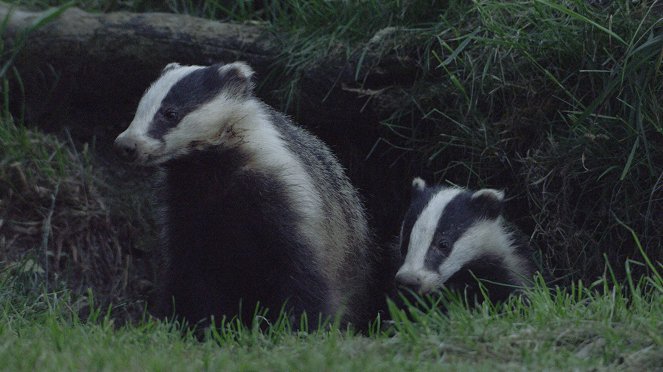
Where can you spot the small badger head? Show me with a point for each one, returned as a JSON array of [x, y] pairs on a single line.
[[186, 108], [451, 236]]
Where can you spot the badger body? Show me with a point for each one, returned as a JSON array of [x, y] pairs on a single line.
[[450, 237], [255, 211]]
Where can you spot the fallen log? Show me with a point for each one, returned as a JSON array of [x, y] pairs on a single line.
[[87, 71], [103, 62]]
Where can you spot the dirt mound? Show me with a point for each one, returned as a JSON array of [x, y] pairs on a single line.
[[61, 220]]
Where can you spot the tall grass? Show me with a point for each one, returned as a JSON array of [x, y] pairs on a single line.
[[604, 324], [560, 104]]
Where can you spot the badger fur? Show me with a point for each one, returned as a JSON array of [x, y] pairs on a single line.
[[255, 210], [451, 237]]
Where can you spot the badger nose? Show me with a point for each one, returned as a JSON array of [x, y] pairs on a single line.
[[408, 280], [126, 148]]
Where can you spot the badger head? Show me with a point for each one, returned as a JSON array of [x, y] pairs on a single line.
[[449, 231], [186, 108]]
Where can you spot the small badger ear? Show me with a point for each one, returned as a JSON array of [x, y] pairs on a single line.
[[488, 202], [418, 185], [170, 66], [240, 69], [239, 74]]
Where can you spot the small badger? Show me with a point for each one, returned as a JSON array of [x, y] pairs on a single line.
[[451, 237], [255, 210]]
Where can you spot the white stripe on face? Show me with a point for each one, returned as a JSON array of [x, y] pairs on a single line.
[[150, 104], [151, 101], [483, 237], [423, 230]]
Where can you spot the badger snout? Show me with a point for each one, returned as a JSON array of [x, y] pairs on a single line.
[[126, 148], [420, 281], [409, 280]]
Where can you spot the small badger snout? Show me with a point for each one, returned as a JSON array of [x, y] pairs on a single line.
[[126, 148], [408, 280]]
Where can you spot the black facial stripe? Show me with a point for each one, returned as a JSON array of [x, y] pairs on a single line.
[[189, 93], [457, 217], [419, 202], [434, 258], [491, 270], [489, 266]]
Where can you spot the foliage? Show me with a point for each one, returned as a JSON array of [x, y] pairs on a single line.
[[559, 103], [602, 325], [60, 222]]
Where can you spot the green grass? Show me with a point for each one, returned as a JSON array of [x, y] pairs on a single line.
[[559, 103], [58, 214], [585, 327]]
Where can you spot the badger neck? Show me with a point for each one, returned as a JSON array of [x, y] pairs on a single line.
[[251, 143], [265, 150], [256, 135], [247, 139]]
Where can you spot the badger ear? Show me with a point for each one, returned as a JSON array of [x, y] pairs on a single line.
[[240, 69], [239, 75], [170, 66], [488, 202], [418, 186]]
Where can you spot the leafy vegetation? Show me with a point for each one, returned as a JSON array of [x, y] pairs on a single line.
[[595, 326]]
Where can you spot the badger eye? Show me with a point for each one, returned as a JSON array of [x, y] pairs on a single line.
[[170, 114], [442, 245]]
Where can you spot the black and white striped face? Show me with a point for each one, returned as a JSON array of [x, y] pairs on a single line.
[[187, 108], [447, 230]]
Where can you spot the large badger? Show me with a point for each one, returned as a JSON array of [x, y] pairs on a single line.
[[255, 210], [451, 237]]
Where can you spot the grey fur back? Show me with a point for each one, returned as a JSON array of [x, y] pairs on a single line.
[[346, 233]]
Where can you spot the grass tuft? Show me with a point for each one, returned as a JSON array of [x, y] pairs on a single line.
[[557, 103], [56, 225], [602, 325]]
